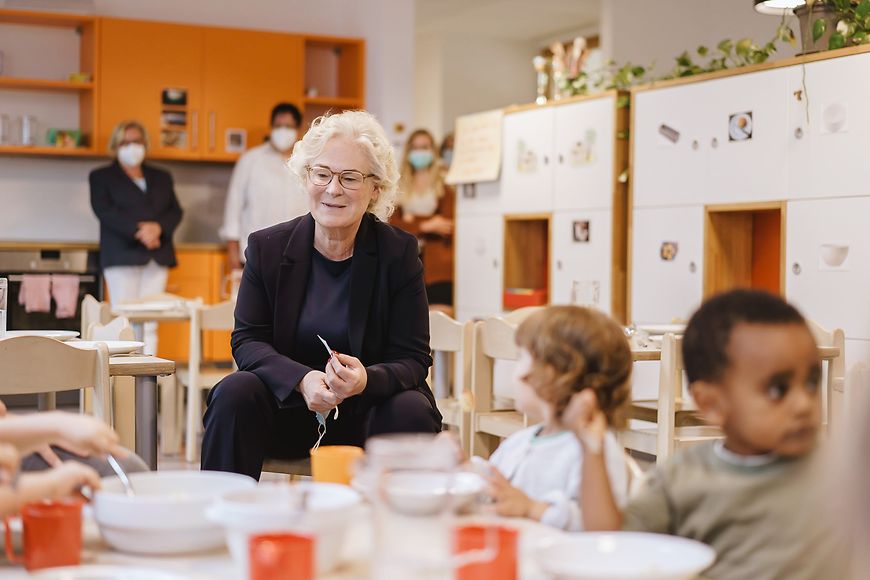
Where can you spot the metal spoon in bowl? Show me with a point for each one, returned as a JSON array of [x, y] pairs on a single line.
[[119, 471]]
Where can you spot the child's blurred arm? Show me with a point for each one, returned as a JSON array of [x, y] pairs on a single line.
[[597, 503], [81, 434]]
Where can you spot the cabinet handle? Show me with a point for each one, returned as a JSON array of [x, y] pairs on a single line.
[[714, 143], [561, 159], [194, 130], [558, 264], [798, 133], [211, 130], [796, 269], [495, 263], [693, 267]]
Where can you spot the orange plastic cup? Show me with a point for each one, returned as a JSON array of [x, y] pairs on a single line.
[[334, 463], [475, 537], [52, 534], [281, 556]]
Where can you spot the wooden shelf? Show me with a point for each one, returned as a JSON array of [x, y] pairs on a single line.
[[338, 102], [49, 151], [36, 18], [43, 84]]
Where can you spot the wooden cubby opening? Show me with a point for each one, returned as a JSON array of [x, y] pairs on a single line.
[[743, 248], [333, 69], [527, 255]]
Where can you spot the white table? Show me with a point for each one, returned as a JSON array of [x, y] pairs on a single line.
[[219, 566]]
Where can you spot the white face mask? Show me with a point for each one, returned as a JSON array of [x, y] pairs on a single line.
[[131, 154], [282, 138]]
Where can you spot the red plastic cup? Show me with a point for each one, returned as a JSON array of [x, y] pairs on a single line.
[[281, 556], [476, 537], [52, 535]]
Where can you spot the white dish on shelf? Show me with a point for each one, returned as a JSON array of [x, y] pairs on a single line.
[[114, 346], [654, 329], [61, 335], [149, 306], [98, 572]]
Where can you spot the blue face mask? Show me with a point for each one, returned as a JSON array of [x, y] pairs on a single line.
[[421, 158], [321, 428]]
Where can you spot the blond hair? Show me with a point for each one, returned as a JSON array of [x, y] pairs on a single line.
[[406, 181], [362, 128], [118, 134], [573, 349]]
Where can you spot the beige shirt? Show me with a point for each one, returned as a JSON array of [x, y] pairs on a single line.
[[765, 522]]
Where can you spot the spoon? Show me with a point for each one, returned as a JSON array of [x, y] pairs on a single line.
[[119, 471]]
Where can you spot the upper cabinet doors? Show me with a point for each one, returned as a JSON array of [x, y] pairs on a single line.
[[828, 121], [527, 160], [246, 73], [584, 136], [146, 70]]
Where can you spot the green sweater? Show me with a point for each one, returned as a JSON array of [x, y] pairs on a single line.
[[765, 522]]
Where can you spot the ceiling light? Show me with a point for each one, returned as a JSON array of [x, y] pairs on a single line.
[[777, 7]]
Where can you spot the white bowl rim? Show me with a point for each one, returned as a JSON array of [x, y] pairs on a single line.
[[121, 497]]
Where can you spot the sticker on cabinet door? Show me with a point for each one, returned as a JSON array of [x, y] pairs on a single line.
[[583, 152], [527, 160], [740, 126], [171, 97], [580, 231], [834, 256], [236, 140], [668, 251], [670, 136], [834, 118]]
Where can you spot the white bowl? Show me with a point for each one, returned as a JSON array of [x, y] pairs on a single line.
[[276, 508], [622, 556], [167, 514], [424, 492], [834, 253]]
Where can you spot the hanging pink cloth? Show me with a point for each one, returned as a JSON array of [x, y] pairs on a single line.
[[65, 291], [35, 293]]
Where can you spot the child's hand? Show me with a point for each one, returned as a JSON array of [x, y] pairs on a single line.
[[511, 501], [83, 435], [58, 483], [586, 420], [10, 460]]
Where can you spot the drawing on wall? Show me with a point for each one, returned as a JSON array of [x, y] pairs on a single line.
[[174, 97], [670, 136], [527, 160], [580, 231], [585, 293], [834, 255], [740, 126], [173, 118], [583, 152], [668, 251], [834, 118]]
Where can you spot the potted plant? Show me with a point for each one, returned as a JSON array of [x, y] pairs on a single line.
[[832, 24]]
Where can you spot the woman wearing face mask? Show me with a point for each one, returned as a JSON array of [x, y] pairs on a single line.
[[426, 209], [262, 191], [138, 212]]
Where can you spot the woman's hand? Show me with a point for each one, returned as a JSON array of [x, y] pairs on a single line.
[[511, 501], [437, 225], [149, 234], [345, 375], [318, 397], [586, 420]]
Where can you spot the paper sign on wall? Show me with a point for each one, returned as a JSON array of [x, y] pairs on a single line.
[[477, 148]]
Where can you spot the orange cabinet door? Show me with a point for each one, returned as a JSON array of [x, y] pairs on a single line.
[[246, 73], [141, 60]]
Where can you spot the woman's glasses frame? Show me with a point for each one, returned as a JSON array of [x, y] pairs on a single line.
[[350, 179]]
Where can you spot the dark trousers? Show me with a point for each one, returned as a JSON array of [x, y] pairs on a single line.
[[244, 424]]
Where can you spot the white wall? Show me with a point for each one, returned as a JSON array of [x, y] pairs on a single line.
[[645, 32], [47, 199]]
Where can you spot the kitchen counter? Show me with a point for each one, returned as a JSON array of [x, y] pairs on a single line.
[[37, 245]]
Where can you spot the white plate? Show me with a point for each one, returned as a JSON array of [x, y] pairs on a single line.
[[662, 328], [114, 346], [62, 335], [106, 573], [148, 306]]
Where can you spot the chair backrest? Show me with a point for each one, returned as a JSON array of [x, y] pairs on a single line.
[[25, 369], [94, 312], [117, 329], [670, 393], [454, 338], [636, 475], [835, 373], [220, 316]]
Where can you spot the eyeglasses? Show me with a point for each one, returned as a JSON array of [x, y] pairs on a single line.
[[350, 179]]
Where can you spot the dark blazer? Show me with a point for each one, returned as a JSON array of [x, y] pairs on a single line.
[[120, 205], [389, 313]]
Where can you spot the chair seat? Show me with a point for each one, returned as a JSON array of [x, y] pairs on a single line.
[[208, 376], [500, 423], [451, 411], [646, 440], [687, 415], [288, 466]]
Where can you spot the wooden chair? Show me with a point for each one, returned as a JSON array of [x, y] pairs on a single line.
[[92, 312], [669, 434], [833, 392], [453, 338], [492, 339], [35, 364], [294, 468], [196, 377], [123, 389]]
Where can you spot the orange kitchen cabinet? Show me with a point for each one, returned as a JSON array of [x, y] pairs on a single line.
[[245, 74], [138, 61]]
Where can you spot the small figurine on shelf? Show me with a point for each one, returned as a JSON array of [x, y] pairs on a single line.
[[559, 72], [541, 65]]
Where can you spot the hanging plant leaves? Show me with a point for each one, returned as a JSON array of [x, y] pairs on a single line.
[[819, 27], [836, 41], [863, 10], [623, 102]]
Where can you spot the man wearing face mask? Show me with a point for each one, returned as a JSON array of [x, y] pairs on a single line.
[[138, 214], [262, 191]]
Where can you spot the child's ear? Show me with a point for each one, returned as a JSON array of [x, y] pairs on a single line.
[[708, 398]]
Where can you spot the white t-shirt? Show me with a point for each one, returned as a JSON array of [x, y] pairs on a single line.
[[547, 468], [262, 193]]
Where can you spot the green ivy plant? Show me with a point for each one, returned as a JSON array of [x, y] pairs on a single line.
[[853, 26]]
